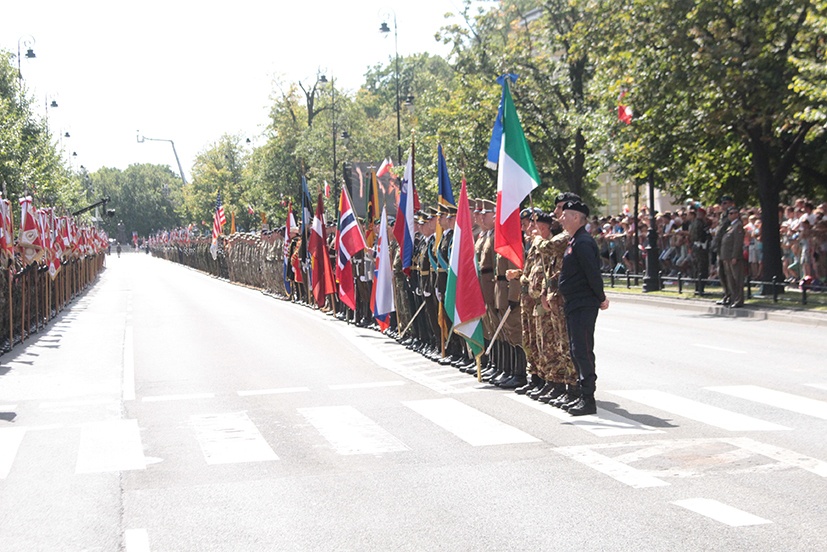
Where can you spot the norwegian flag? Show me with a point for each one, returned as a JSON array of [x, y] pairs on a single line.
[[350, 241]]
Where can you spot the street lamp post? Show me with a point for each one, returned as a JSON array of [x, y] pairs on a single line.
[[385, 29], [323, 80], [141, 139], [651, 282], [27, 42]]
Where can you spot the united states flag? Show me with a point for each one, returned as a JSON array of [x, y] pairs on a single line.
[[219, 220]]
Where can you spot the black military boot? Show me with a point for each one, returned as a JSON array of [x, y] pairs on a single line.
[[557, 390], [536, 382], [494, 369], [504, 361], [575, 397], [518, 372], [584, 406], [572, 391], [540, 391]]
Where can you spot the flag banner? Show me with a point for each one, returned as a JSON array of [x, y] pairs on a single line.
[[464, 304], [289, 225], [30, 240], [218, 222], [372, 210], [403, 230], [624, 112], [516, 177], [350, 241], [326, 189], [445, 194], [382, 294], [321, 274], [493, 158], [387, 165]]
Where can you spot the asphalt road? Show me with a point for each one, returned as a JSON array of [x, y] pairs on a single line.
[[166, 410]]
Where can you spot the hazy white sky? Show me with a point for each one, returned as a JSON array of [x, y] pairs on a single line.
[[191, 71]]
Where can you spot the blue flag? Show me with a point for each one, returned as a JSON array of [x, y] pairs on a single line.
[[444, 192]]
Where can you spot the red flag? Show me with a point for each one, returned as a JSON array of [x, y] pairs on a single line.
[[386, 165], [350, 241], [321, 272], [624, 112], [326, 189]]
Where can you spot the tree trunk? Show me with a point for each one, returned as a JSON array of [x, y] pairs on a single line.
[[769, 187]]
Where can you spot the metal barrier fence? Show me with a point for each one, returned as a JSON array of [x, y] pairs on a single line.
[[30, 298], [776, 288]]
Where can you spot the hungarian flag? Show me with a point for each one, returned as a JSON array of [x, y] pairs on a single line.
[[403, 230], [624, 112], [463, 294], [322, 275], [350, 241], [382, 293], [516, 177]]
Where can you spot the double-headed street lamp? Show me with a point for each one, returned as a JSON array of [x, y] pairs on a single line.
[[27, 42], [385, 29], [141, 139]]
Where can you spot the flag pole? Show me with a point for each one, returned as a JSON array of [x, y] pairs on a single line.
[[500, 327]]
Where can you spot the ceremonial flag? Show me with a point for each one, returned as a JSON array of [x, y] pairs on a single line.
[[326, 189], [372, 210], [289, 224], [250, 209], [386, 165], [516, 177], [30, 239], [307, 214], [218, 222], [350, 241], [624, 112], [322, 275], [445, 194], [6, 232], [493, 157], [382, 293], [463, 295], [403, 230]]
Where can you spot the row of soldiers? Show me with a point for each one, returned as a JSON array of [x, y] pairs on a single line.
[[526, 342]]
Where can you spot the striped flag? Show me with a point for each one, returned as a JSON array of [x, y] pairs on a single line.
[[386, 166], [218, 222], [372, 210], [321, 274], [463, 295], [350, 241], [404, 227], [516, 177], [382, 293]]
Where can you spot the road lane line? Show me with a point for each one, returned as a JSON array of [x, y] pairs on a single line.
[[230, 439], [87, 402], [721, 349], [602, 424], [351, 432], [700, 412], [469, 424], [720, 512], [785, 456], [778, 399], [10, 439], [110, 446], [275, 391], [136, 540], [618, 471], [129, 365], [183, 397], [369, 385]]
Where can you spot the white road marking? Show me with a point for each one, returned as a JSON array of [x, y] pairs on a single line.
[[276, 391], [720, 512], [67, 404], [350, 431], [369, 385], [184, 397], [721, 349], [129, 365], [10, 439], [469, 424], [619, 471], [785, 456], [136, 540], [110, 447], [602, 424], [697, 411], [230, 438], [778, 399], [817, 385]]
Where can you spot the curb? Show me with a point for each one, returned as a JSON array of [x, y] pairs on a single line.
[[752, 313]]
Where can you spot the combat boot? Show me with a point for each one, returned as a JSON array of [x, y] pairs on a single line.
[[568, 396], [518, 375], [584, 406], [503, 361], [539, 392], [575, 398], [557, 390], [535, 383]]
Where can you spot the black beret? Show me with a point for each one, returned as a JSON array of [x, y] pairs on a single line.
[[544, 217], [578, 206], [566, 196]]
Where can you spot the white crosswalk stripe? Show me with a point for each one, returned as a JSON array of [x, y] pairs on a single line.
[[231, 438], [700, 412], [351, 432], [778, 399], [721, 512]]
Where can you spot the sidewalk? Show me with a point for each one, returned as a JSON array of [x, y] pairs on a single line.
[[707, 305]]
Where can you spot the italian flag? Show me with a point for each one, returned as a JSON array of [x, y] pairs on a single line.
[[463, 295], [516, 177]]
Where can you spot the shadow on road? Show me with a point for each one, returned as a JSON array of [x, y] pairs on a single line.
[[646, 419]]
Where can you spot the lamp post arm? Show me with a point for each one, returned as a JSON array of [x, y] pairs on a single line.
[[174, 151]]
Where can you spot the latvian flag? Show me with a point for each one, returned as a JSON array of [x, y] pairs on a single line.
[[350, 242]]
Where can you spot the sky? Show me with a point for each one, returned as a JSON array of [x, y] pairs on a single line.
[[191, 71]]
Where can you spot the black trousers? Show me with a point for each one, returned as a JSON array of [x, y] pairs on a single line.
[[580, 324]]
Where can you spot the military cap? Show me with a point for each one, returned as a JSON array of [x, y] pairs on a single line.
[[477, 205], [488, 206], [525, 213], [391, 221], [544, 217], [566, 196], [578, 206]]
